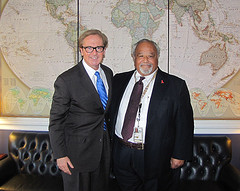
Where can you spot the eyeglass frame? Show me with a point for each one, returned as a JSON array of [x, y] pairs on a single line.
[[93, 48]]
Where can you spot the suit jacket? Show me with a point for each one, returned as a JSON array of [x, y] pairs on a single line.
[[77, 118], [169, 129]]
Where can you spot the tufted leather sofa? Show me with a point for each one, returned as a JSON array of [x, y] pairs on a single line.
[[210, 168], [30, 165]]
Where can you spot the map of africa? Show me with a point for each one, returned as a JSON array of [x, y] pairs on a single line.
[[199, 42]]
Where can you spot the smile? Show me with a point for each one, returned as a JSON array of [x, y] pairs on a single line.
[[145, 64], [94, 57]]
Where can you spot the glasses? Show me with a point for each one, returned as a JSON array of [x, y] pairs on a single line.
[[89, 49]]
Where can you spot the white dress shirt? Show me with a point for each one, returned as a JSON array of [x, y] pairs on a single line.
[[150, 79], [93, 77]]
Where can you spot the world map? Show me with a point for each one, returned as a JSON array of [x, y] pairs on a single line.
[[199, 42]]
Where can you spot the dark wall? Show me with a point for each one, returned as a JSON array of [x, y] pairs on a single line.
[[4, 141], [234, 137], [235, 149]]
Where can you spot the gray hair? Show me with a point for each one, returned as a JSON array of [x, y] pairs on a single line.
[[145, 40]]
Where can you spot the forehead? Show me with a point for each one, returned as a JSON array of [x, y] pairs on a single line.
[[146, 47], [93, 40]]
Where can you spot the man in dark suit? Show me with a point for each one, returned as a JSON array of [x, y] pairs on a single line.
[[148, 154], [78, 130]]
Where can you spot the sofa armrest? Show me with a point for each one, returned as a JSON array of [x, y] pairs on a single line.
[[230, 177], [8, 169]]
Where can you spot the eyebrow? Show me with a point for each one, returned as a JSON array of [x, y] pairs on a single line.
[[140, 53]]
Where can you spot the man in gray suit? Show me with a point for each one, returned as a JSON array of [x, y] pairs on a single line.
[[78, 126]]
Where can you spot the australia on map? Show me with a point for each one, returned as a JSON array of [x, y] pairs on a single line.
[[199, 42]]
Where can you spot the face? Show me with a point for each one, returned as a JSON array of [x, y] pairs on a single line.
[[145, 58], [94, 58]]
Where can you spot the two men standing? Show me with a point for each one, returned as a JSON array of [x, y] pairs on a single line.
[[151, 122]]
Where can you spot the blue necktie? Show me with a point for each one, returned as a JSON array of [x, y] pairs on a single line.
[[102, 92]]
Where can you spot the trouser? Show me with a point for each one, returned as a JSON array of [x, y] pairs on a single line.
[[128, 166], [96, 180]]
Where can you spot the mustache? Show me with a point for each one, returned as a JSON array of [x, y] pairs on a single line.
[[149, 64], [146, 71]]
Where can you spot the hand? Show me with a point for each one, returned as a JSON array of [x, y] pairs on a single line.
[[63, 164], [175, 163]]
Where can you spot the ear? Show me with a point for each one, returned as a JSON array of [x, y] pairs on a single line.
[[133, 57], [104, 52], [81, 51]]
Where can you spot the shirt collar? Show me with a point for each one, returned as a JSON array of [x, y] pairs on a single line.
[[147, 78], [91, 71]]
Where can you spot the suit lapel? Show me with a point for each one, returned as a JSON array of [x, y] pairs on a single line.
[[159, 85], [120, 82], [109, 81], [122, 85], [86, 82], [157, 98]]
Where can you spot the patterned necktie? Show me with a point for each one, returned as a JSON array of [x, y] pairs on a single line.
[[102, 93], [132, 108]]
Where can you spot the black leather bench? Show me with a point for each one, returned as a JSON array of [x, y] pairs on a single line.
[[30, 165]]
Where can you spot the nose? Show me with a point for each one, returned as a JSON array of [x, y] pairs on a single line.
[[145, 59], [94, 52]]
